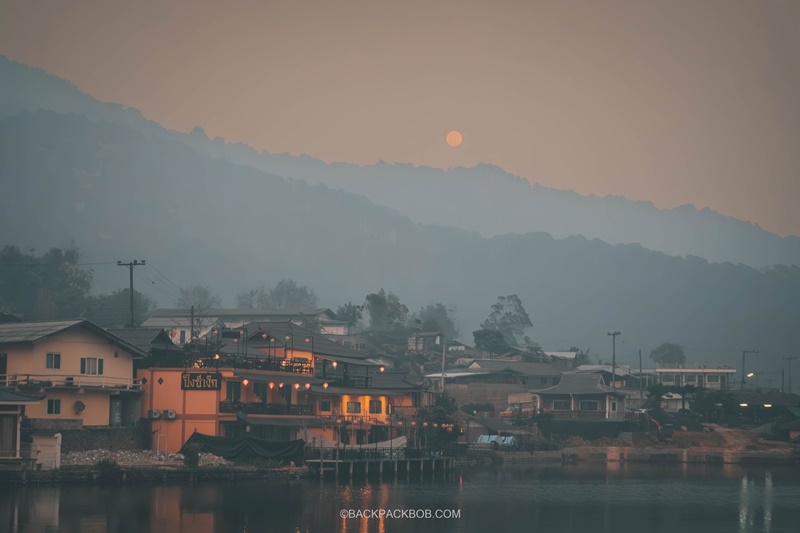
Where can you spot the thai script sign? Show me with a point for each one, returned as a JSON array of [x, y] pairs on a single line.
[[201, 381]]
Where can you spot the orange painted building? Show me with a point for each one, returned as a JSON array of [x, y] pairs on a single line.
[[277, 381]]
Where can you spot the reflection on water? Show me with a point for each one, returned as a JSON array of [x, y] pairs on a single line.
[[582, 498]]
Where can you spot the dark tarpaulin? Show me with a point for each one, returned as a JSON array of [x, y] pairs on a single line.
[[248, 447]]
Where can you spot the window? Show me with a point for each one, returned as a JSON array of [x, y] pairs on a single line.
[[712, 379], [543, 380], [233, 391], [353, 407], [54, 361], [183, 336], [589, 405], [691, 378], [374, 407], [325, 406], [561, 405], [261, 390], [53, 407], [613, 407], [91, 366]]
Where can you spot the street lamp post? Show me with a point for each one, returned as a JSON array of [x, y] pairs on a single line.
[[744, 353], [614, 358]]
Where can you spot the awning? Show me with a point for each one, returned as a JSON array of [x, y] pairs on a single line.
[[286, 421]]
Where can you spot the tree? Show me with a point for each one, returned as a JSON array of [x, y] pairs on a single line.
[[437, 317], [349, 312], [253, 299], [509, 317], [441, 412], [49, 287], [385, 310], [490, 341], [288, 294], [198, 296], [113, 310], [669, 354]]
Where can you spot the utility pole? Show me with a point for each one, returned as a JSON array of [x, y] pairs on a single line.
[[789, 359], [614, 358], [745, 352], [130, 266], [441, 336], [641, 377]]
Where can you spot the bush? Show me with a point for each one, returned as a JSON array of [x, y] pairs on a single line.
[[191, 455], [109, 470]]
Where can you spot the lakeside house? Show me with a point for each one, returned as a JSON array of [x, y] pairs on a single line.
[[581, 395], [275, 380], [84, 371]]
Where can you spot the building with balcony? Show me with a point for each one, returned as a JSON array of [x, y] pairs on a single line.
[[84, 371], [581, 395], [274, 380], [701, 377]]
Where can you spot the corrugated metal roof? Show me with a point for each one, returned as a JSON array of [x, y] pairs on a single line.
[[33, 331], [143, 338], [776, 399], [227, 313], [9, 396], [322, 345]]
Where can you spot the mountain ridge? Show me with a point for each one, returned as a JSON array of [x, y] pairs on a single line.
[[438, 196]]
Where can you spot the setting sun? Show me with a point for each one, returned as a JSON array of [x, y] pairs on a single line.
[[454, 138]]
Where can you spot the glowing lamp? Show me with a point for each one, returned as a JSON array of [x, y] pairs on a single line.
[[245, 382], [308, 386], [334, 364], [324, 385], [381, 369], [280, 386], [296, 386], [742, 405], [767, 405], [271, 384]]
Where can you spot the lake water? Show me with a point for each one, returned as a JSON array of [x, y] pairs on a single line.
[[582, 498]]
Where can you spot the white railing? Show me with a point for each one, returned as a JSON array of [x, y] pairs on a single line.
[[69, 380]]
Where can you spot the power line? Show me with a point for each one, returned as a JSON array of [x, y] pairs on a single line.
[[130, 266], [165, 278]]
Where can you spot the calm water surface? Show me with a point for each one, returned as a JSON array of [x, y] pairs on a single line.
[[581, 498]]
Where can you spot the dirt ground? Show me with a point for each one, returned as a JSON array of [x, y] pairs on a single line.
[[721, 438]]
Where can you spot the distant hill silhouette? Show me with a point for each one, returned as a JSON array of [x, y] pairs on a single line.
[[484, 199], [121, 193]]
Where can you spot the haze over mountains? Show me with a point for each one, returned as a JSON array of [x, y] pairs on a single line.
[[484, 199], [121, 187]]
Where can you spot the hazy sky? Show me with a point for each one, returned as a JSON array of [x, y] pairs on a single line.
[[676, 102]]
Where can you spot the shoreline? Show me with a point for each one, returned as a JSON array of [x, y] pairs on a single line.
[[176, 474]]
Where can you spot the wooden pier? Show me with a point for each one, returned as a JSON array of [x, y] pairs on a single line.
[[380, 464]]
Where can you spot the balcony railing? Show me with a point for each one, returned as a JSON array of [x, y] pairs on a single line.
[[269, 363], [258, 408], [404, 411], [578, 414], [71, 380]]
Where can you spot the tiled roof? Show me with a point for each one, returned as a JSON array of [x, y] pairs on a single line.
[[10, 396], [528, 369], [578, 383]]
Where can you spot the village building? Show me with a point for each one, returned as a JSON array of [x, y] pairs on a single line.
[[278, 381], [85, 371], [581, 395], [701, 377], [181, 324]]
